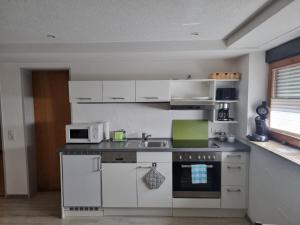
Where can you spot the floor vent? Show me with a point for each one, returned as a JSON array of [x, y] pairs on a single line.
[[84, 208]]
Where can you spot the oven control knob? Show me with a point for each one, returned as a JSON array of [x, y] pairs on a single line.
[[199, 157], [214, 157], [203, 157], [190, 157], [208, 157], [180, 157]]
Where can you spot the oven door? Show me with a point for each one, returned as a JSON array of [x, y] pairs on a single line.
[[182, 181]]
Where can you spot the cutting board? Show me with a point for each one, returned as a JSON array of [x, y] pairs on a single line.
[[190, 130]]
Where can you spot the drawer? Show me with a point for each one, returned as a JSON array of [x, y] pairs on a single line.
[[233, 197], [154, 157], [234, 174], [196, 203], [234, 157]]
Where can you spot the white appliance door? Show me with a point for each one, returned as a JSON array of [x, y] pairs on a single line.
[[81, 176]]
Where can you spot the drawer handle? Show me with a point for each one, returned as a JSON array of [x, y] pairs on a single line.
[[150, 97], [119, 159], [233, 190], [233, 156], [154, 165], [234, 167], [81, 98], [115, 98]]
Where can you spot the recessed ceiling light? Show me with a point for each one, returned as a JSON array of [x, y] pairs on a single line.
[[195, 33], [51, 36]]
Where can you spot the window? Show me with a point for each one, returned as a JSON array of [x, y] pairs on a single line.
[[285, 100]]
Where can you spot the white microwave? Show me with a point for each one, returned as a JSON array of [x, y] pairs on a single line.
[[84, 133]]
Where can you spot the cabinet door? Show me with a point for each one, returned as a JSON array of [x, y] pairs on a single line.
[[85, 91], [152, 91], [119, 185], [233, 174], [119, 91], [161, 197], [81, 178], [233, 197]]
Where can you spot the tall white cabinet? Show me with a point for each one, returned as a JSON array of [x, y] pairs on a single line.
[[81, 180]]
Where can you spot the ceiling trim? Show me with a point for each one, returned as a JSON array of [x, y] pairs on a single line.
[[260, 16]]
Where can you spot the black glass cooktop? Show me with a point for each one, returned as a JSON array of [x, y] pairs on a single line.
[[194, 144]]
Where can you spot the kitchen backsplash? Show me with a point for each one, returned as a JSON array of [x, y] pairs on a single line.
[[135, 118]]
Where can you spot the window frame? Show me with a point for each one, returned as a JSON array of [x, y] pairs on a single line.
[[280, 136]]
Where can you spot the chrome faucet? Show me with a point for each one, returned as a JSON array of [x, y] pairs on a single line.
[[145, 136]]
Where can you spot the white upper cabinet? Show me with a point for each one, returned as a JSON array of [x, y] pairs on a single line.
[[152, 91], [119, 91], [85, 91]]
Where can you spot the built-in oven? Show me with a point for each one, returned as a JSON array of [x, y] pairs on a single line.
[[183, 183]]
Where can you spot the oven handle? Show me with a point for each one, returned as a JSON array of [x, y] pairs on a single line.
[[189, 166]]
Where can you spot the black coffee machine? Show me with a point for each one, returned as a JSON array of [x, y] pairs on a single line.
[[262, 130]]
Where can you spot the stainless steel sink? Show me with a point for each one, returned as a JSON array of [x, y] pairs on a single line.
[[154, 144]]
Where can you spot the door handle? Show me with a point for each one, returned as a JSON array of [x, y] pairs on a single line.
[[98, 164]]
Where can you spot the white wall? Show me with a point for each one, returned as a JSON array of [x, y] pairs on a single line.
[[252, 90], [29, 129], [135, 118], [12, 120], [138, 66], [273, 189]]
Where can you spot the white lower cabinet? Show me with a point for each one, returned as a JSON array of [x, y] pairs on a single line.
[[81, 180], [233, 197], [158, 198], [119, 185], [233, 174]]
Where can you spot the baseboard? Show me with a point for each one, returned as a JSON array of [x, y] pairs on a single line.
[[69, 213], [137, 212], [249, 219], [209, 213], [16, 196]]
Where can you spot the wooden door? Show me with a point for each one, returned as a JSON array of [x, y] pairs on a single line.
[[52, 113]]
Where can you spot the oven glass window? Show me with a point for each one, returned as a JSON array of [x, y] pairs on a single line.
[[182, 177], [79, 133]]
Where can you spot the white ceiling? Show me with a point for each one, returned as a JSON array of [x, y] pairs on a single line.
[[97, 21], [105, 28]]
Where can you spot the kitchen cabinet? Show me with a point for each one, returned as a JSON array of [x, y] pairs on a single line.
[[234, 180], [233, 174], [152, 91], [159, 198], [85, 91], [233, 197], [81, 180], [119, 185], [119, 91]]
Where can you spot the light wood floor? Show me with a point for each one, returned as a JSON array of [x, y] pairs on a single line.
[[44, 209]]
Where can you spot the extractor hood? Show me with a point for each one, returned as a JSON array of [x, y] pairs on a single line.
[[191, 103]]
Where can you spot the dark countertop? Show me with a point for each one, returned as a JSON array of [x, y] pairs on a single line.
[[134, 145]]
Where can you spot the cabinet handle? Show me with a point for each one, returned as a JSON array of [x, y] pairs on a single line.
[[99, 169], [116, 98], [233, 190], [154, 165], [232, 156], [234, 167], [189, 166], [81, 98], [150, 97]]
